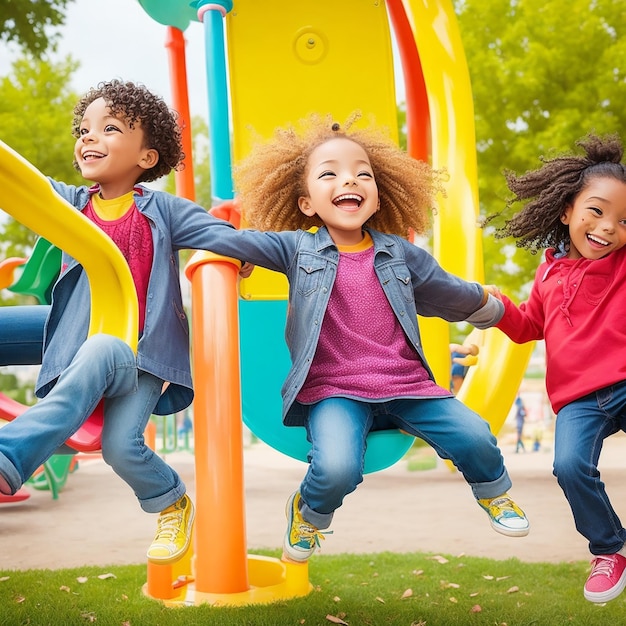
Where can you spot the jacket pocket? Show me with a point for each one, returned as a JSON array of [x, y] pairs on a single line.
[[403, 282], [309, 275]]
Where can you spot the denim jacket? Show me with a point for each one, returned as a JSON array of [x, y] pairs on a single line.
[[163, 348], [413, 282]]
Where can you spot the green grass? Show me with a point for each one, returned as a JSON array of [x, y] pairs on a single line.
[[361, 590]]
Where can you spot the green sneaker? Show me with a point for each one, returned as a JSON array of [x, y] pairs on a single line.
[[301, 538], [505, 516], [173, 534]]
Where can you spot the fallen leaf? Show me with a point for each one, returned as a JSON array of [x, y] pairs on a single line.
[[4, 579], [20, 599], [502, 578], [105, 576], [420, 623], [488, 577], [513, 589], [407, 594], [439, 559], [82, 579], [64, 588], [379, 599], [336, 599], [476, 609], [473, 595], [336, 620], [90, 617], [417, 572], [453, 586], [453, 600]]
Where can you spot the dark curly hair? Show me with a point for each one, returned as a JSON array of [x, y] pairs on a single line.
[[551, 188], [272, 178], [136, 104]]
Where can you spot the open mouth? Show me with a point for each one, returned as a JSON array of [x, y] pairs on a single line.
[[90, 155], [597, 241], [348, 201]]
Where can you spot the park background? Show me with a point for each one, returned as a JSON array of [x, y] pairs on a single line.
[[535, 93]]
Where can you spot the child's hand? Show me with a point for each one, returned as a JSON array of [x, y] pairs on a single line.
[[246, 270], [470, 350], [493, 290]]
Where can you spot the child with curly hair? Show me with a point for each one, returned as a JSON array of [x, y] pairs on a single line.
[[356, 286], [125, 135], [575, 206]]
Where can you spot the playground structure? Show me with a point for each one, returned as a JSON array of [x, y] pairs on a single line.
[[286, 59]]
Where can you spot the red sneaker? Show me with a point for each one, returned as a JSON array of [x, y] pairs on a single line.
[[607, 578]]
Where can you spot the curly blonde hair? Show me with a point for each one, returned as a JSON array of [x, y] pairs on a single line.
[[273, 176]]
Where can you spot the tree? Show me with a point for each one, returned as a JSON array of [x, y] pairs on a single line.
[[29, 23], [544, 74]]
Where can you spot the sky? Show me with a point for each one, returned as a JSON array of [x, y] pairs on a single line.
[[117, 39]]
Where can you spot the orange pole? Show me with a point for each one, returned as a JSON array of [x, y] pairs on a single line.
[[221, 557], [175, 44]]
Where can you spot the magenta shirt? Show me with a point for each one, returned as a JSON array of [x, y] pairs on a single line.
[[362, 350], [131, 234]]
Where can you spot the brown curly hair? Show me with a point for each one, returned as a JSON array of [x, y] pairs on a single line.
[[272, 177], [551, 188], [136, 104]]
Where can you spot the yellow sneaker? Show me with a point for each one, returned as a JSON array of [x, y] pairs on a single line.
[[173, 532], [301, 538], [505, 516]]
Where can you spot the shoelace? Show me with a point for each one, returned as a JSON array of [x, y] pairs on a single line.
[[169, 526], [312, 535], [602, 566], [502, 506]]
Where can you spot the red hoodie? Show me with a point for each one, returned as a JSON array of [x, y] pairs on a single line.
[[579, 308]]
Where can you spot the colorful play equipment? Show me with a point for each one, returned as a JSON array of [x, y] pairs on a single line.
[[269, 64]]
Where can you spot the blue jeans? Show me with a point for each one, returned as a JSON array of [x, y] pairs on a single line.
[[337, 429], [581, 428], [103, 367], [21, 334]]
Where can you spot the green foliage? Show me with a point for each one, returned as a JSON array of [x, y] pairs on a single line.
[[385, 589], [31, 24], [544, 74]]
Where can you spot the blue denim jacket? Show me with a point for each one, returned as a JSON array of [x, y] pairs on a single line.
[[163, 348], [411, 278]]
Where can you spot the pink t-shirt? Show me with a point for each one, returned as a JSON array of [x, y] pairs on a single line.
[[362, 350], [131, 234]]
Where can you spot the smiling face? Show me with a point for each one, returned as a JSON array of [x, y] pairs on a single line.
[[342, 190], [108, 151], [597, 219]]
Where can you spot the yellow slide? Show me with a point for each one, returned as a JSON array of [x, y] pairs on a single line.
[[491, 385]]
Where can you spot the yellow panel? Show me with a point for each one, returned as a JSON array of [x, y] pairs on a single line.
[[290, 58]]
